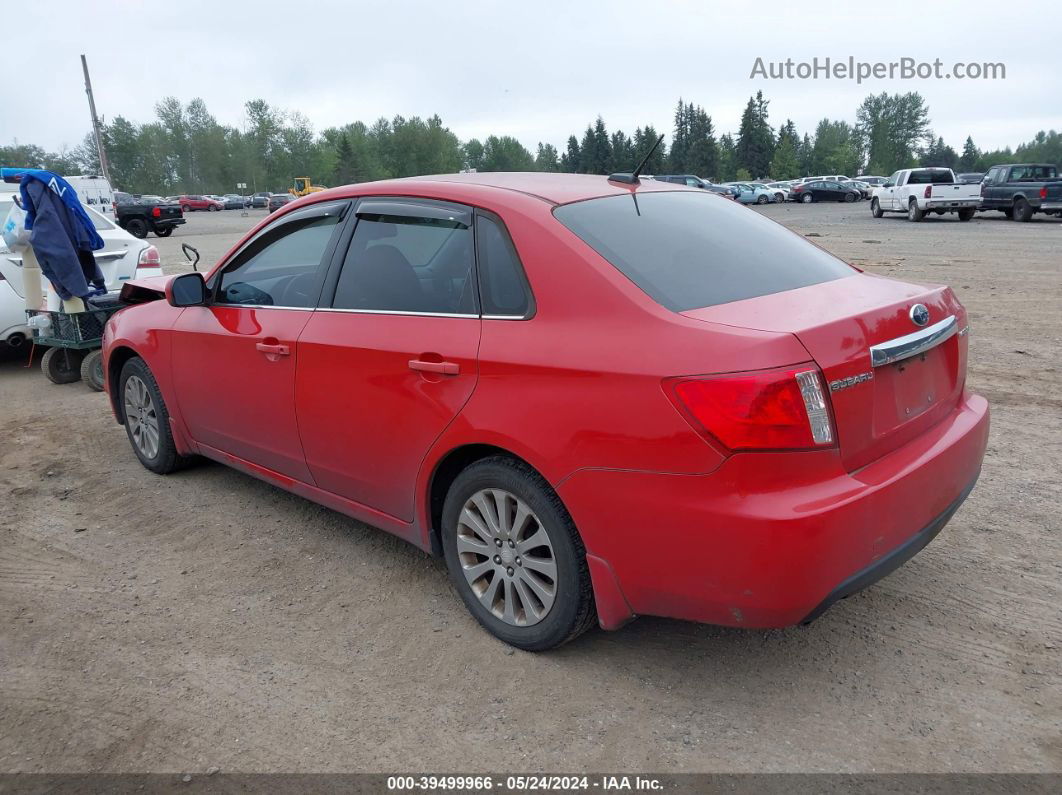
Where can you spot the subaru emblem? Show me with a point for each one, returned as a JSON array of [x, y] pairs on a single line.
[[919, 314]]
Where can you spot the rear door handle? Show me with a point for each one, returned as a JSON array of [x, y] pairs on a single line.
[[446, 368], [276, 350]]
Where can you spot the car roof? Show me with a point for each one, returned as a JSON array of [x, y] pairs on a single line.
[[549, 187]]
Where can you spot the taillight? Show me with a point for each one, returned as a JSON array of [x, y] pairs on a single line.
[[149, 258], [982, 189], [156, 212], [1043, 192], [929, 192], [781, 409]]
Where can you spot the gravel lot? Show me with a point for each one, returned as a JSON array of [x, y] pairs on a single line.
[[206, 619]]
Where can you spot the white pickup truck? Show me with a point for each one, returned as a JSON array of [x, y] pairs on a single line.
[[917, 191]]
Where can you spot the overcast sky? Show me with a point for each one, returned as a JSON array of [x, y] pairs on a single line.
[[535, 69]]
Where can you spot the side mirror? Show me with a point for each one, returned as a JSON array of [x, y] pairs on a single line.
[[188, 289]]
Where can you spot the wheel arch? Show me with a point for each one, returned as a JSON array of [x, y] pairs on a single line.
[[116, 360], [446, 470]]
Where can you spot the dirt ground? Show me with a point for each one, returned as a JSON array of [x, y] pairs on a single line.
[[208, 620]]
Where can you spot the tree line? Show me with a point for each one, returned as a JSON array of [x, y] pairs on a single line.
[[184, 149]]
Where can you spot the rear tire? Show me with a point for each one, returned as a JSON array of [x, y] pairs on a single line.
[[914, 213], [849, 197], [62, 365], [149, 430], [137, 227], [762, 199], [966, 215], [875, 209], [92, 370], [807, 198], [494, 583], [1022, 210]]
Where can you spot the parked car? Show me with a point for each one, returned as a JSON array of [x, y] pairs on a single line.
[[873, 181], [143, 215], [235, 202], [971, 178], [593, 408], [825, 191], [864, 188], [1020, 191], [781, 190], [917, 191], [751, 194], [693, 181], [260, 199], [196, 202], [278, 200], [122, 258]]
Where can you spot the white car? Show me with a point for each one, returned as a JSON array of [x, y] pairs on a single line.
[[123, 257], [781, 191]]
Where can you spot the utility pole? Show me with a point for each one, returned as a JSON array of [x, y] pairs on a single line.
[[95, 123]]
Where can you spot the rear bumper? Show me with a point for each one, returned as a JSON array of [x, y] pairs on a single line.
[[1051, 206], [953, 204], [770, 539]]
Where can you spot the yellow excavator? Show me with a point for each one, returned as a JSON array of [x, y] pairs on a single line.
[[303, 187]]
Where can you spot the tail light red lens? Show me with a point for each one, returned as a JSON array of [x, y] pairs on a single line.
[[149, 258], [780, 409], [156, 212], [929, 192], [1043, 192]]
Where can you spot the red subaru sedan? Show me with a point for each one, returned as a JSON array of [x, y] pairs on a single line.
[[594, 399]]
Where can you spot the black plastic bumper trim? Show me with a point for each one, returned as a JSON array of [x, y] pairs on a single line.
[[892, 561]]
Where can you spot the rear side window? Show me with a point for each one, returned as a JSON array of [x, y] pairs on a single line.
[[690, 249], [401, 263], [503, 287]]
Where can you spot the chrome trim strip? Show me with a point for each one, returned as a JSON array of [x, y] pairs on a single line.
[[909, 345], [223, 305], [505, 317], [392, 312]]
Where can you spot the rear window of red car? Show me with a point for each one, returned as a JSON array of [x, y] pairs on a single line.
[[689, 249]]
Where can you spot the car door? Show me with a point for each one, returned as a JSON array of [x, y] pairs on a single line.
[[991, 191], [888, 193], [234, 360], [390, 358]]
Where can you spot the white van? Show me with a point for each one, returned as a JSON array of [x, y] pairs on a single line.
[[94, 192]]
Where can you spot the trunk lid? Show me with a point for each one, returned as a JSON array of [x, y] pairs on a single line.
[[876, 409]]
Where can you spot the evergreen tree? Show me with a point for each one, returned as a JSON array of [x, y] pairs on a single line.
[[621, 153], [644, 140], [680, 139], [970, 155], [702, 154], [473, 152], [727, 158], [546, 158], [755, 144], [572, 158], [784, 164], [344, 173], [940, 154]]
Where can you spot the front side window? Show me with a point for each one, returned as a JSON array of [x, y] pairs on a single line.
[[404, 263], [687, 250], [282, 266]]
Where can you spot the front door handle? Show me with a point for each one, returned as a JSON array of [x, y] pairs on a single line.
[[275, 350], [446, 368]]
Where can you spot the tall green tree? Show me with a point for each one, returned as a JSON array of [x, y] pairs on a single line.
[[940, 154], [505, 153], [572, 158], [644, 140], [970, 155], [546, 158], [755, 142], [891, 130]]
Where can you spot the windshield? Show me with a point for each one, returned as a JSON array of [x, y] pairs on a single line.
[[689, 250]]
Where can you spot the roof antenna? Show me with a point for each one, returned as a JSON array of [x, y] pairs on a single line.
[[632, 179]]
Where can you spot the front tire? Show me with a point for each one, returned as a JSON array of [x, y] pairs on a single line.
[[62, 365], [762, 199], [849, 197], [875, 208], [914, 213], [147, 422], [515, 556]]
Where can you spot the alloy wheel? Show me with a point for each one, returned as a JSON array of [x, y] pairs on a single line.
[[507, 557], [141, 417]]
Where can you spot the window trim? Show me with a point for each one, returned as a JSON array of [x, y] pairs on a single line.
[[321, 210]]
